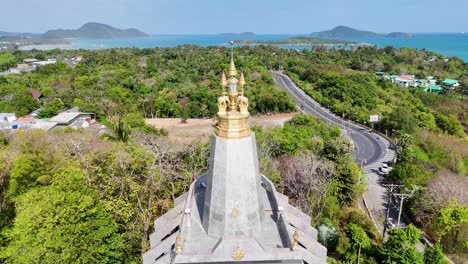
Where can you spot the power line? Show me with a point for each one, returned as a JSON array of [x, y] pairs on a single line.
[[402, 198], [391, 188]]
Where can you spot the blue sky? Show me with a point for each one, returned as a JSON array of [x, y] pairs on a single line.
[[260, 16]]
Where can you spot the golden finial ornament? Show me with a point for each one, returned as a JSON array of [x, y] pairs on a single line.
[[235, 212], [233, 107], [178, 244], [295, 244], [238, 254]]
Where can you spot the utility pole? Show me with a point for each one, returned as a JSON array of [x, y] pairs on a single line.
[[390, 187], [402, 198]]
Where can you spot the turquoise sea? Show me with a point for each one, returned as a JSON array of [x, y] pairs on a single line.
[[448, 44]]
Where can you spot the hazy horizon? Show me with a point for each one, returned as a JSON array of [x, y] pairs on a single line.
[[207, 17]]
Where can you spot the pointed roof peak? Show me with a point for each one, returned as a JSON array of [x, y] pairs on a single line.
[[223, 80], [232, 69], [242, 79]]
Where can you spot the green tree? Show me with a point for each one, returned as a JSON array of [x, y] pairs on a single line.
[[51, 108], [402, 120], [410, 174], [358, 239], [450, 219], [119, 129], [449, 124], [400, 246], [434, 255], [7, 60], [24, 175], [63, 223]]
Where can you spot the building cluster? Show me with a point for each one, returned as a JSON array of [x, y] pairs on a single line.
[[4, 46], [71, 118], [29, 65], [428, 84]]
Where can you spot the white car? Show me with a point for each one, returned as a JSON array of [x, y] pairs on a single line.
[[384, 168]]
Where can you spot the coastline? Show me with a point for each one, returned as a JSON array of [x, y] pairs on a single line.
[[45, 46], [363, 44], [448, 45]]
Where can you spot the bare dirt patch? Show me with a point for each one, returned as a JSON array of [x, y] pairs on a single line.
[[201, 129]]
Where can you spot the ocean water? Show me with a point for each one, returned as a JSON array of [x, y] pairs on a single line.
[[448, 44], [453, 44], [166, 41]]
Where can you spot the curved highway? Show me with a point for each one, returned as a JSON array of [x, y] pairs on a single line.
[[369, 147]]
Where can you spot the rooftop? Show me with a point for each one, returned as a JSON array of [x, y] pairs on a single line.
[[449, 81], [44, 125], [65, 118]]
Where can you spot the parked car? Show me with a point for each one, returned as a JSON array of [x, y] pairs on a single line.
[[384, 168]]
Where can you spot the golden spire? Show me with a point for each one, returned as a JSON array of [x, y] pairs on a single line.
[[242, 84], [233, 108], [223, 80], [232, 69]]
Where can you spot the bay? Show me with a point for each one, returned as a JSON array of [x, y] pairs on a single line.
[[447, 44]]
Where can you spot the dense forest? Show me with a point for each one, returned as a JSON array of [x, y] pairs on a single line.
[[64, 193]]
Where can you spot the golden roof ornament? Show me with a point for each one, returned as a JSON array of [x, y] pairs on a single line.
[[295, 244], [235, 212], [238, 254], [233, 108], [178, 244]]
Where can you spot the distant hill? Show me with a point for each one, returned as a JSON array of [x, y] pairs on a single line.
[[400, 35], [239, 34], [19, 35], [301, 41], [347, 32], [96, 31]]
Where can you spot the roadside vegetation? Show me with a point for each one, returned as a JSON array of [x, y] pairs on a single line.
[[430, 129]]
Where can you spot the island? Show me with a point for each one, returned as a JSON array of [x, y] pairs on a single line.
[[400, 35], [94, 30], [304, 41], [347, 32], [239, 34]]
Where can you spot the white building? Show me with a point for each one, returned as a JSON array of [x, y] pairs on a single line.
[[7, 117], [405, 80]]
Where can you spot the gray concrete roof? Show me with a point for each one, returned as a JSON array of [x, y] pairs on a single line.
[[44, 125], [210, 231], [65, 118]]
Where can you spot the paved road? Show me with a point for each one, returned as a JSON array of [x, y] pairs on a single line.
[[370, 147]]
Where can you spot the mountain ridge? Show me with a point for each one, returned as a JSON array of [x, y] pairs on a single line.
[[348, 32], [94, 30]]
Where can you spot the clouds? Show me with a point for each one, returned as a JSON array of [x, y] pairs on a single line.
[[211, 16]]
